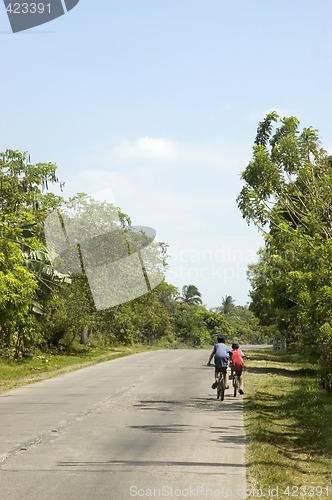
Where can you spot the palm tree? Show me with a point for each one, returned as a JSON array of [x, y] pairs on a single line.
[[190, 295], [227, 304]]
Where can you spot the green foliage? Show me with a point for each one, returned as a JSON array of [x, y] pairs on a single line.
[[190, 295], [216, 324], [25, 265], [190, 326], [287, 194], [67, 312], [22, 186], [17, 287], [325, 338], [243, 325], [246, 327], [227, 305]]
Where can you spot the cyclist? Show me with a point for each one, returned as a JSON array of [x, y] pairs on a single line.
[[221, 353], [236, 363]]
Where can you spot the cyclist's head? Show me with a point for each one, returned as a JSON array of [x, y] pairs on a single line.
[[221, 339], [235, 345]]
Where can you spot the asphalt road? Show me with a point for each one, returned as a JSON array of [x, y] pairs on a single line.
[[143, 426]]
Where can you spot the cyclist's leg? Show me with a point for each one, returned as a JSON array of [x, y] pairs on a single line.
[[224, 373], [240, 375], [216, 378], [232, 372], [221, 387]]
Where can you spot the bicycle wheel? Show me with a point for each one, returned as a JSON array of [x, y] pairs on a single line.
[[218, 389], [235, 384], [221, 389]]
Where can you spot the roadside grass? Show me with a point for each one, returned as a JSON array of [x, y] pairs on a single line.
[[16, 373], [288, 421]]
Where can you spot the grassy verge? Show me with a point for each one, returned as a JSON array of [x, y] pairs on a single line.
[[26, 371], [288, 419]]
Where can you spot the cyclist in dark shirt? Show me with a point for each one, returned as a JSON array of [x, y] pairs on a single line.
[[221, 353]]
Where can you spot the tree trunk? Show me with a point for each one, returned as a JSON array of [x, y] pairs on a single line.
[[85, 335], [280, 344]]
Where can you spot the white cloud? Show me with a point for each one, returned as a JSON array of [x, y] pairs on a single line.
[[156, 152], [198, 183], [147, 149]]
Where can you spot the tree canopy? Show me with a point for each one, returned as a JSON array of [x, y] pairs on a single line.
[[190, 295], [287, 195]]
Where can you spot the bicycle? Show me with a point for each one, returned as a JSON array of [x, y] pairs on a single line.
[[220, 384], [235, 382]]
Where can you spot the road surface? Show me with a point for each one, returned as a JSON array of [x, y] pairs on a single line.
[[143, 426]]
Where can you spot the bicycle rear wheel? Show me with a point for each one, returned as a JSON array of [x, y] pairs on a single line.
[[221, 389], [235, 385], [218, 390]]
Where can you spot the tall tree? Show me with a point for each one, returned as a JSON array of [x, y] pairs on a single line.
[[287, 194], [288, 181], [190, 295], [24, 204], [17, 288], [227, 305], [23, 189]]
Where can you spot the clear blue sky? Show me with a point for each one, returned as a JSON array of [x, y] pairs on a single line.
[[158, 101]]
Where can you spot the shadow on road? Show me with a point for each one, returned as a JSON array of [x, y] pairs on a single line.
[[230, 404]]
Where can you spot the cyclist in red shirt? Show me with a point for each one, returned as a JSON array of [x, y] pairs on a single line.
[[236, 363]]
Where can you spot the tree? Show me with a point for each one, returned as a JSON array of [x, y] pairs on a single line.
[[190, 325], [17, 288], [227, 305], [24, 206], [216, 324], [90, 239], [23, 189], [287, 194], [246, 327], [190, 295], [121, 262], [288, 183]]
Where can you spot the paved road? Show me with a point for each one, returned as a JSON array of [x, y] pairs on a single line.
[[121, 429]]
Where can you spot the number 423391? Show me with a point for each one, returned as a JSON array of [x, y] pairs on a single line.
[[28, 8], [306, 491]]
